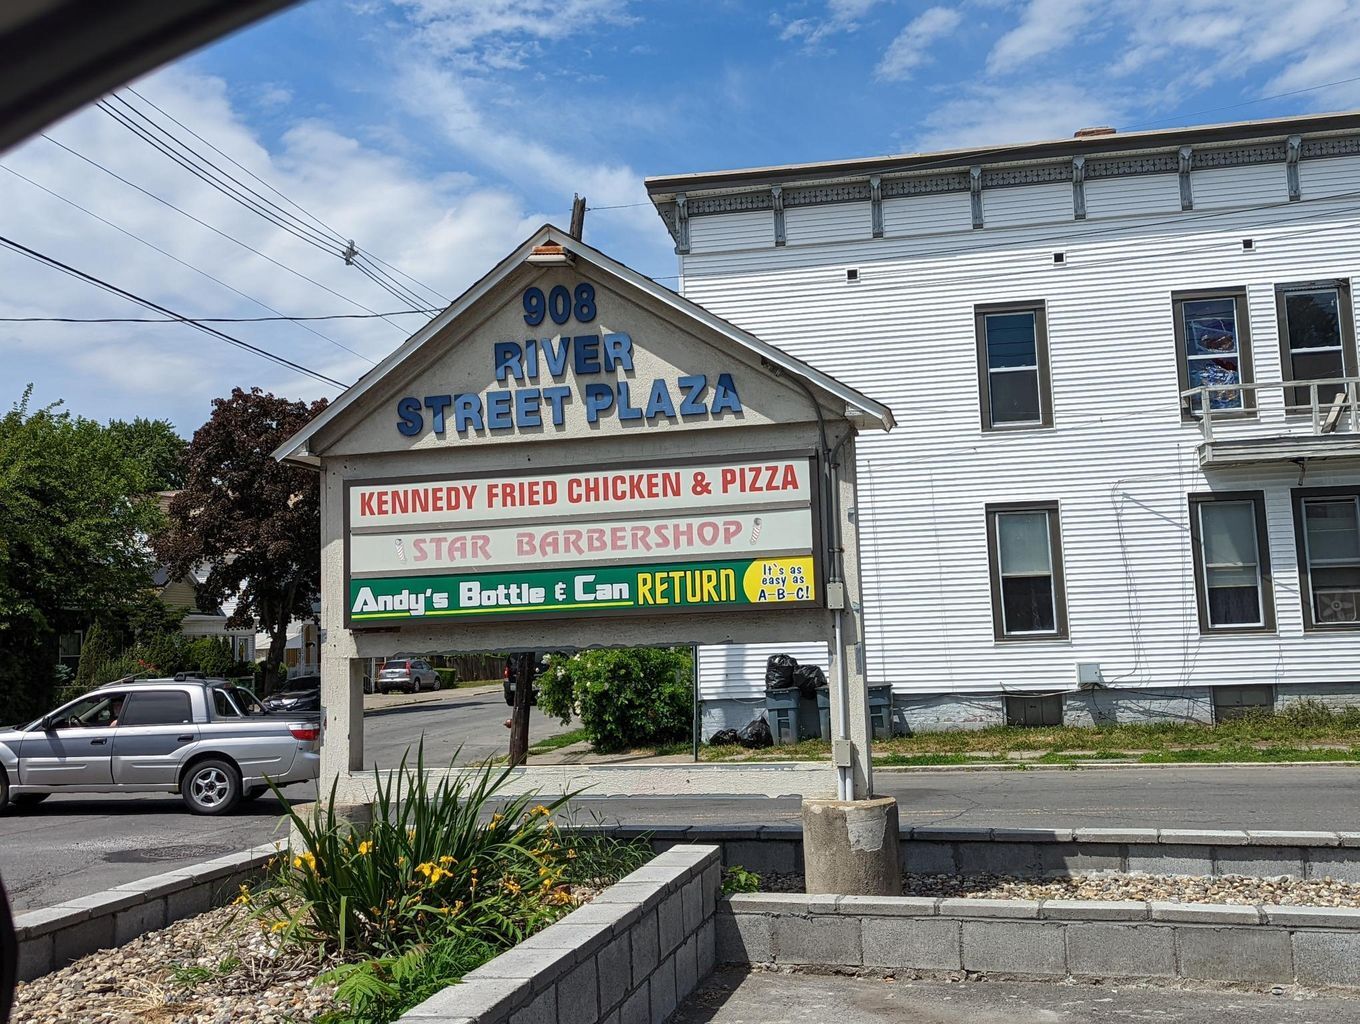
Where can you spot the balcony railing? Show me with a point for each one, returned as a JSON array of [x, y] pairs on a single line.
[[1333, 404]]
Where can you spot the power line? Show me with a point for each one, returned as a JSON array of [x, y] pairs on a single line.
[[327, 229], [202, 319], [65, 268], [218, 231], [1244, 103], [185, 263]]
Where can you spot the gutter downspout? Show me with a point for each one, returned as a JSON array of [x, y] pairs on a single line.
[[831, 544]]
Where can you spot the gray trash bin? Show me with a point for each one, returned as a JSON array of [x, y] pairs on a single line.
[[781, 711], [880, 711]]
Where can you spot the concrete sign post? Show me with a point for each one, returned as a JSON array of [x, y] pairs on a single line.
[[572, 456]]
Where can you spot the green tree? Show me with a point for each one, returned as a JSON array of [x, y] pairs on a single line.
[[255, 521], [73, 523], [625, 698], [155, 448], [100, 646]]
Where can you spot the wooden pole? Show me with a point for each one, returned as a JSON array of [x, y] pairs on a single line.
[[519, 715]]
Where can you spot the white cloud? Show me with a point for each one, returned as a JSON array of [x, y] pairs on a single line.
[[842, 16], [1045, 26], [996, 115], [911, 48], [442, 229], [497, 35]]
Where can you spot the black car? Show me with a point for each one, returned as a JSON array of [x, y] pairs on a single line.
[[508, 677], [303, 694]]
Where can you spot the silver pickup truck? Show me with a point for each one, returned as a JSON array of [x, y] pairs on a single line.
[[201, 738]]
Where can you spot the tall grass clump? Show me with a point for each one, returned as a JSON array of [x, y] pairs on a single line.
[[451, 859]]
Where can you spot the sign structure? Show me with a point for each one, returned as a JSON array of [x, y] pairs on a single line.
[[648, 539]]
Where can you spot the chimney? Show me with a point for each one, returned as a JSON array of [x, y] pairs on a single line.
[[1091, 133]]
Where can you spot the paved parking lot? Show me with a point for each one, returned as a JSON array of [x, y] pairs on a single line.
[[738, 997]]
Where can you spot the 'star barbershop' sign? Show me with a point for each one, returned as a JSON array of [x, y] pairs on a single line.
[[536, 365], [649, 539]]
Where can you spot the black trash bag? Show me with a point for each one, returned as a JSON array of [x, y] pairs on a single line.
[[724, 738], [809, 679], [756, 735], [779, 671]]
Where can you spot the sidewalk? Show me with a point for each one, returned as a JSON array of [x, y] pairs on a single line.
[[736, 997], [382, 702]]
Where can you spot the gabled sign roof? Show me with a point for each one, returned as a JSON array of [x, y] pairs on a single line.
[[857, 405]]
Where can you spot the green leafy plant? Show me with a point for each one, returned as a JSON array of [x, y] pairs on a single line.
[[625, 698], [737, 879], [382, 989], [453, 858], [100, 647]]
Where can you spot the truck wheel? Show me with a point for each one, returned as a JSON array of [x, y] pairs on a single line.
[[211, 787]]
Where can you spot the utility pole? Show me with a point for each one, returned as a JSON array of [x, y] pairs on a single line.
[[523, 669], [578, 216]]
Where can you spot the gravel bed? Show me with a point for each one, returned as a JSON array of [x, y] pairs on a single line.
[[1224, 889], [183, 974]]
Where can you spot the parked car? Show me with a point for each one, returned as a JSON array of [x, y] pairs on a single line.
[[303, 693], [410, 675], [508, 677], [186, 736]]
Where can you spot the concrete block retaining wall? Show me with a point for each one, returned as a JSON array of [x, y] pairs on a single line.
[[1049, 853], [630, 956], [53, 937], [1051, 939]]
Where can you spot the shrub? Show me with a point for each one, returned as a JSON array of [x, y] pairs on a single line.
[[384, 988], [426, 868], [100, 647], [164, 654], [211, 656], [625, 698]]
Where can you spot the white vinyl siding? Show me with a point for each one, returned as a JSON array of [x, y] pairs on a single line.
[[811, 225], [1251, 185], [738, 671], [1119, 457], [1133, 195], [927, 215], [724, 232], [1332, 176], [1031, 204]]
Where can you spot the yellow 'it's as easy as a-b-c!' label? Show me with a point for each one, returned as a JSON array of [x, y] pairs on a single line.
[[779, 581]]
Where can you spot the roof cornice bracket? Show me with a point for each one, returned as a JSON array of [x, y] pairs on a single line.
[[681, 224], [1186, 157], [1079, 188], [777, 202], [876, 204], [1293, 149], [975, 194]]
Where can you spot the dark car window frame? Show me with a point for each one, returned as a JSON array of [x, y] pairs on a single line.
[[141, 698]]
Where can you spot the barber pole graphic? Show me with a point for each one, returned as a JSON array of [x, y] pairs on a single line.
[[401, 551], [755, 530]]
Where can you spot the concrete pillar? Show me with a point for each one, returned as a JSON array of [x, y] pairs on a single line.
[[342, 705], [850, 847]]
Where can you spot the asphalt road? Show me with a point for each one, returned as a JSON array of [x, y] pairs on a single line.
[[71, 846]]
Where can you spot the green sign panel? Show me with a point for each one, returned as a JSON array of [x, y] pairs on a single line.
[[616, 589]]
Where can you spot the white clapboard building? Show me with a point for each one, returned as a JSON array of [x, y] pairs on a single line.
[[1113, 493]]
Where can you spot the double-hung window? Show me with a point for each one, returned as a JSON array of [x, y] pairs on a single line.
[[1025, 557], [1327, 528], [1013, 381], [1232, 562], [1317, 338], [1213, 347]]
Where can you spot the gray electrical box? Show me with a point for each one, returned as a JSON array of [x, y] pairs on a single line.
[[1088, 675]]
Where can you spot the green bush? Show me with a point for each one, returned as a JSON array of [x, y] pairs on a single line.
[[448, 678], [433, 863], [100, 647], [384, 988], [625, 698], [211, 656], [164, 654]]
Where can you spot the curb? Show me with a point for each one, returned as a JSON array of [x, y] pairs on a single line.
[[53, 937], [1091, 765]]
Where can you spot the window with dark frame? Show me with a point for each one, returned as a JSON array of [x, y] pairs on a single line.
[[1317, 338], [1327, 530], [1233, 584], [1013, 376], [157, 707], [1025, 560], [1213, 347]]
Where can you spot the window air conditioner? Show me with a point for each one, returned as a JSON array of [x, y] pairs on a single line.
[[1338, 606]]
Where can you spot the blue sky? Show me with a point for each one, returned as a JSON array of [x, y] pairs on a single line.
[[439, 133]]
